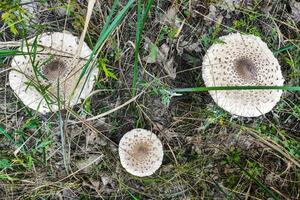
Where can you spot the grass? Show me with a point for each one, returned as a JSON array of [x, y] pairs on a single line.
[[142, 15], [209, 154], [108, 28]]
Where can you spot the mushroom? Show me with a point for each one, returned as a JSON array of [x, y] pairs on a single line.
[[49, 77], [242, 60], [141, 152]]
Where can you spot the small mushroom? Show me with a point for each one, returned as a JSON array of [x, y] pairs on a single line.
[[51, 73], [242, 60], [141, 152]]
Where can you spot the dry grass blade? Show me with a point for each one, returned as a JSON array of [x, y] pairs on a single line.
[[112, 110], [86, 25], [9, 44]]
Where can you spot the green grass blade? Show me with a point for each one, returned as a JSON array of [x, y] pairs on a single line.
[[110, 15], [142, 17], [2, 131], [206, 89], [109, 28], [137, 47], [147, 10], [6, 52], [32, 50], [284, 49], [102, 37]]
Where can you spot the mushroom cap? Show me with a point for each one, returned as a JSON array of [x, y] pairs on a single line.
[[141, 152], [242, 60], [57, 70]]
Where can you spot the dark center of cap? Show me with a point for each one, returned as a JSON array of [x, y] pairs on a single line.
[[141, 151], [54, 69], [245, 68]]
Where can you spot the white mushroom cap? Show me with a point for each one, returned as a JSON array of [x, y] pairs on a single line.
[[141, 152], [242, 60], [55, 61]]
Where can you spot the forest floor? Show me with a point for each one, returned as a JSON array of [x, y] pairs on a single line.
[[208, 153]]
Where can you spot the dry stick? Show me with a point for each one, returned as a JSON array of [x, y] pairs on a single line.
[[75, 60], [112, 110], [97, 53], [93, 128], [86, 25], [5, 70]]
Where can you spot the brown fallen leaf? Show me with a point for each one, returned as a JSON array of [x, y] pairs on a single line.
[[160, 56], [295, 10], [170, 18]]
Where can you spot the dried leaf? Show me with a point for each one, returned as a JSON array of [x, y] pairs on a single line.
[[107, 180], [170, 69], [163, 52], [160, 56], [66, 193], [296, 11], [212, 15], [231, 5], [170, 16], [152, 57]]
